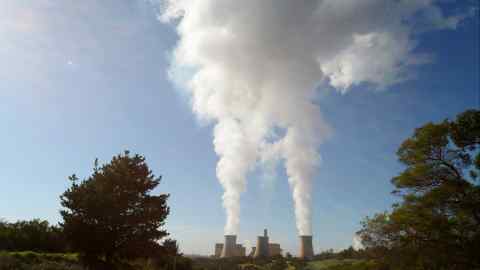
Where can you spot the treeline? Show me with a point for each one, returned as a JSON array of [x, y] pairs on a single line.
[[349, 253], [436, 224], [35, 235]]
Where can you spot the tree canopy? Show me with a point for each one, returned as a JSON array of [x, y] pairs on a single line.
[[112, 214], [437, 223], [33, 235]]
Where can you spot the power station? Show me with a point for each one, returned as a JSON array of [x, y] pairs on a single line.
[[306, 247], [263, 249]]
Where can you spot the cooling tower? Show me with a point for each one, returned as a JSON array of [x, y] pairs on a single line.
[[262, 248], [218, 249], [306, 247], [274, 249], [240, 251], [230, 246]]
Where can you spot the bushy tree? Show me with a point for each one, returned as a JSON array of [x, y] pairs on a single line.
[[326, 254], [437, 223], [169, 257], [170, 246], [279, 263], [288, 256], [112, 214], [33, 235]]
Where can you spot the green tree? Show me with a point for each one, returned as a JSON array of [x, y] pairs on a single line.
[[288, 255], [33, 235], [169, 256], [112, 214], [279, 263], [171, 247], [437, 223]]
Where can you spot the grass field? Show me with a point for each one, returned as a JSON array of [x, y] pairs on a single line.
[[332, 264], [69, 261], [47, 256], [38, 261], [325, 264], [341, 265]]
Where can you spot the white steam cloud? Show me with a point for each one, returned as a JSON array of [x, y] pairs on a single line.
[[253, 66]]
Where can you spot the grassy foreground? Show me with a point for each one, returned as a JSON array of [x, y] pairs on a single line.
[[69, 261], [38, 261], [283, 264], [347, 264]]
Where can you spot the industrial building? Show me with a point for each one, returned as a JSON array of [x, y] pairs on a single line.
[[218, 249], [263, 248], [232, 248], [240, 251], [306, 247], [274, 249]]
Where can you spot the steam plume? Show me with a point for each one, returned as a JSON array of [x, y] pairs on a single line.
[[255, 65]]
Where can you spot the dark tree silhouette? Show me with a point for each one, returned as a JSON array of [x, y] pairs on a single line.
[[437, 223], [33, 235], [170, 247], [112, 214]]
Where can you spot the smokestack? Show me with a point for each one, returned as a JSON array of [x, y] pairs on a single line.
[[306, 247], [227, 86], [262, 248], [229, 246]]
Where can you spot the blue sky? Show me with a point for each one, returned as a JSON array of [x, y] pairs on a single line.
[[84, 79]]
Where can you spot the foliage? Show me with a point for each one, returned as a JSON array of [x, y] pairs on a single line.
[[355, 265], [33, 235], [112, 216], [280, 263], [246, 263], [170, 247], [38, 261], [344, 255], [70, 261], [169, 257], [203, 263], [178, 263], [326, 254], [437, 223], [343, 264]]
